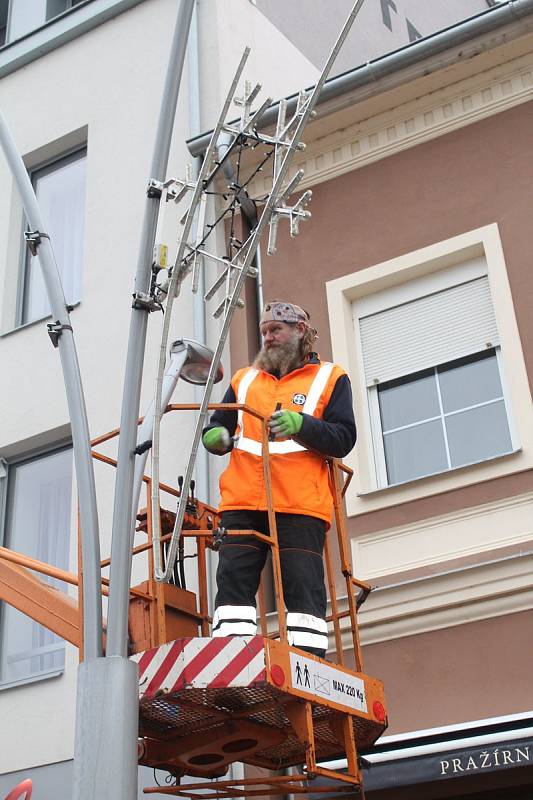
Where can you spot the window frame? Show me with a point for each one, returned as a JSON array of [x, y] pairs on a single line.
[[6, 466], [45, 167], [44, 19], [378, 440], [429, 263]]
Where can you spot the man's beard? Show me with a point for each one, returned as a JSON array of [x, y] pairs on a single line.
[[279, 359]]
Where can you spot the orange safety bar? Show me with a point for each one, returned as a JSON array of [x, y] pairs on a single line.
[[356, 591], [59, 613]]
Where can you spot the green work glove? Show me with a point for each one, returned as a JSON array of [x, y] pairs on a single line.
[[285, 423], [217, 440]]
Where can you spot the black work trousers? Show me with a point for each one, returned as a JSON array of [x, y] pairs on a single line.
[[241, 560]]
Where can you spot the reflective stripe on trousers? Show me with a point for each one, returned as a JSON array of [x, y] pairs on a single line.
[[241, 560], [303, 630], [234, 621]]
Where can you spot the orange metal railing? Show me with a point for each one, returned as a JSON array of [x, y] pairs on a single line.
[[161, 612], [202, 528]]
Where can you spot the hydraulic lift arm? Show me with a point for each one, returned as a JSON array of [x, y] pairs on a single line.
[[43, 603]]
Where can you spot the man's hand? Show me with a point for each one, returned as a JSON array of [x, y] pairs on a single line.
[[217, 440], [285, 423]]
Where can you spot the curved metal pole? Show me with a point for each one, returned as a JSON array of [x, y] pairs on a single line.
[[121, 544], [90, 542]]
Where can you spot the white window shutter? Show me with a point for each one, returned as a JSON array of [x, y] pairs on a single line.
[[428, 331]]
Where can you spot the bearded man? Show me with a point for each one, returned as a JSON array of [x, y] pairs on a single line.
[[309, 405]]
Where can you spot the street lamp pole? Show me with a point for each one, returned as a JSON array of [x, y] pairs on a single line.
[[105, 762]]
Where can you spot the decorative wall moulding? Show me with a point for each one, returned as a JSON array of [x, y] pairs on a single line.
[[435, 114], [458, 597], [461, 534]]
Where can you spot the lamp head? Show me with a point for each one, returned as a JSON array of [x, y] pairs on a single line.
[[196, 368]]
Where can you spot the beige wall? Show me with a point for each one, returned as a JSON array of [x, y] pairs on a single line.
[[464, 180], [313, 25], [467, 672], [443, 639]]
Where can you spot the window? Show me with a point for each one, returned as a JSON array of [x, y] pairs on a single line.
[[460, 314], [20, 17], [55, 7], [60, 190], [431, 355], [437, 419], [37, 523]]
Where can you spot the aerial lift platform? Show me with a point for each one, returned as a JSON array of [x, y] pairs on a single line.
[[205, 703]]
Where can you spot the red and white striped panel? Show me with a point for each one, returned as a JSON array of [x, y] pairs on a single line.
[[201, 664]]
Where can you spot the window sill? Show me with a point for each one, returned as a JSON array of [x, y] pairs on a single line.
[[38, 321], [436, 475], [42, 676]]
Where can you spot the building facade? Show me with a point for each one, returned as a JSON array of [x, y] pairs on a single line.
[[80, 88], [420, 214], [415, 269]]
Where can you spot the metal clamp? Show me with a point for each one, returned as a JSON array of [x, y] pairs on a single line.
[[55, 329], [145, 302], [218, 537], [142, 447], [33, 240], [154, 188]]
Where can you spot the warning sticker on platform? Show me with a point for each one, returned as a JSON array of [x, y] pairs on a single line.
[[313, 677]]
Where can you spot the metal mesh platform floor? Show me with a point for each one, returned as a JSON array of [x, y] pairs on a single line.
[[175, 716]]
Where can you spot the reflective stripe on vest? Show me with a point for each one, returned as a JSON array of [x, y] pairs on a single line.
[[242, 392], [288, 446], [317, 387]]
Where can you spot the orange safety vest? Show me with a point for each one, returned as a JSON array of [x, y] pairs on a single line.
[[299, 477]]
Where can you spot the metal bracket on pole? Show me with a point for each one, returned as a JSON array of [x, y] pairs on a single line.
[[143, 447], [143, 301], [33, 240], [154, 188], [55, 329]]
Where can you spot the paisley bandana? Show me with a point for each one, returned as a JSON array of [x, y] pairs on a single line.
[[280, 311]]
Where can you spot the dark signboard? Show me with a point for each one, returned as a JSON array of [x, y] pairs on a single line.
[[449, 764], [404, 770]]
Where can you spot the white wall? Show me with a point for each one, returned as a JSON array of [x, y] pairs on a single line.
[[274, 62], [108, 81]]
